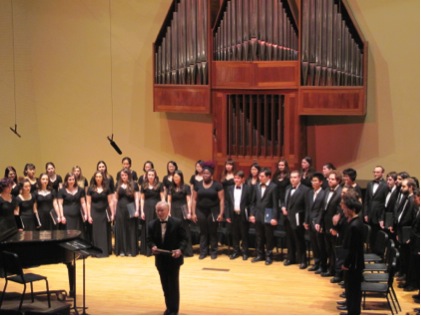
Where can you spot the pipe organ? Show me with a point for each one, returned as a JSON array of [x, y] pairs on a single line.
[[260, 67]]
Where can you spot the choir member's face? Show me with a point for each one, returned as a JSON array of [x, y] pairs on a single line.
[[199, 168], [207, 176], [177, 179], [124, 177], [71, 181], [12, 175], [316, 183], [254, 171], [326, 171], [98, 178], [344, 190], [8, 189], [399, 181], [294, 179], [347, 179], [377, 173], [50, 170], [148, 167], [390, 182], [263, 178], [126, 164], [30, 173], [417, 200], [332, 181], [151, 176], [101, 167], [26, 188], [347, 211], [304, 164], [162, 211], [228, 167], [171, 168], [238, 180], [404, 187], [44, 181], [281, 166], [77, 172]]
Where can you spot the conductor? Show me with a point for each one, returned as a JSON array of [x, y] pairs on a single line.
[[168, 239]]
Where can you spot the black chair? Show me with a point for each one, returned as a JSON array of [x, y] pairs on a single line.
[[367, 233], [378, 254], [13, 272], [381, 266], [383, 289]]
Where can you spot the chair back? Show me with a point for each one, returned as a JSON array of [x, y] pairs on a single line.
[[366, 236], [11, 264], [392, 265], [380, 243]]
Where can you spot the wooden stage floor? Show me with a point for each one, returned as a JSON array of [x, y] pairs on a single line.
[[130, 285]]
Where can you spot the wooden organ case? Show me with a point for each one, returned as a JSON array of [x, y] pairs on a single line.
[[260, 67]]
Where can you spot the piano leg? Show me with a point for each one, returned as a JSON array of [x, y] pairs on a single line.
[[72, 277]]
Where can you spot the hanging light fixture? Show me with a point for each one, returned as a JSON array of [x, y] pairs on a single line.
[[15, 129], [111, 138]]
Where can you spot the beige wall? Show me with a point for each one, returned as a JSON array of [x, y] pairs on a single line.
[[62, 62]]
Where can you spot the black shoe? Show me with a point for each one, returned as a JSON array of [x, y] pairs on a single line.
[[343, 295], [303, 265], [202, 256], [326, 274], [335, 279], [342, 307], [401, 285], [341, 302], [288, 262], [314, 267], [401, 278], [416, 296], [343, 313], [342, 283], [319, 271], [214, 256], [234, 255], [409, 288], [399, 274], [257, 259], [245, 257], [268, 261]]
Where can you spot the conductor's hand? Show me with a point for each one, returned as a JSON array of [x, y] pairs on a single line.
[[154, 250], [273, 222], [252, 219], [176, 253]]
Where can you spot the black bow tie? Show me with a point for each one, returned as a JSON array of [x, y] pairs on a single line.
[[332, 190], [376, 181], [238, 188], [263, 185], [164, 222]]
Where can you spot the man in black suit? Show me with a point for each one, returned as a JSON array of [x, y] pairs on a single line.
[[374, 201], [353, 245], [264, 214], [331, 208], [389, 204], [294, 210], [238, 201], [314, 204], [167, 239]]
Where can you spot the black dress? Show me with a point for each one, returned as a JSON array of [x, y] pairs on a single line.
[[282, 188], [16, 190], [56, 183], [126, 228], [72, 209], [226, 227], [7, 211], [167, 184], [152, 197], [46, 209], [26, 212], [101, 226], [178, 203]]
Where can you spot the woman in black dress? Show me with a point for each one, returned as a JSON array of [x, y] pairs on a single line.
[[102, 167], [72, 204], [46, 203], [281, 178], [227, 181], [207, 210], [55, 179], [168, 179], [253, 177], [8, 205], [151, 192], [148, 165], [126, 227], [98, 199], [80, 179], [306, 171], [179, 199], [10, 172], [29, 173], [127, 164], [197, 176], [27, 207]]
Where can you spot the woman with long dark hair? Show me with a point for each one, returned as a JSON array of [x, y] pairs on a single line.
[[281, 178], [253, 177], [179, 199], [55, 179], [126, 227], [99, 200], [307, 170], [168, 179], [10, 172], [102, 167], [29, 173], [151, 192], [46, 205], [8, 205], [27, 206]]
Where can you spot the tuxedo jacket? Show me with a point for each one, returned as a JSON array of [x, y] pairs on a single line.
[[296, 204], [245, 201], [330, 208], [314, 208], [175, 238], [374, 203], [268, 200], [353, 244]]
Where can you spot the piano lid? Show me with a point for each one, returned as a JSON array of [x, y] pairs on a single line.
[[42, 236]]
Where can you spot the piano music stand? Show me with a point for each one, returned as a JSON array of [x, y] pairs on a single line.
[[84, 249]]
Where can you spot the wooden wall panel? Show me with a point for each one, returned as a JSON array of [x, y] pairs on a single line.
[[185, 99]]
